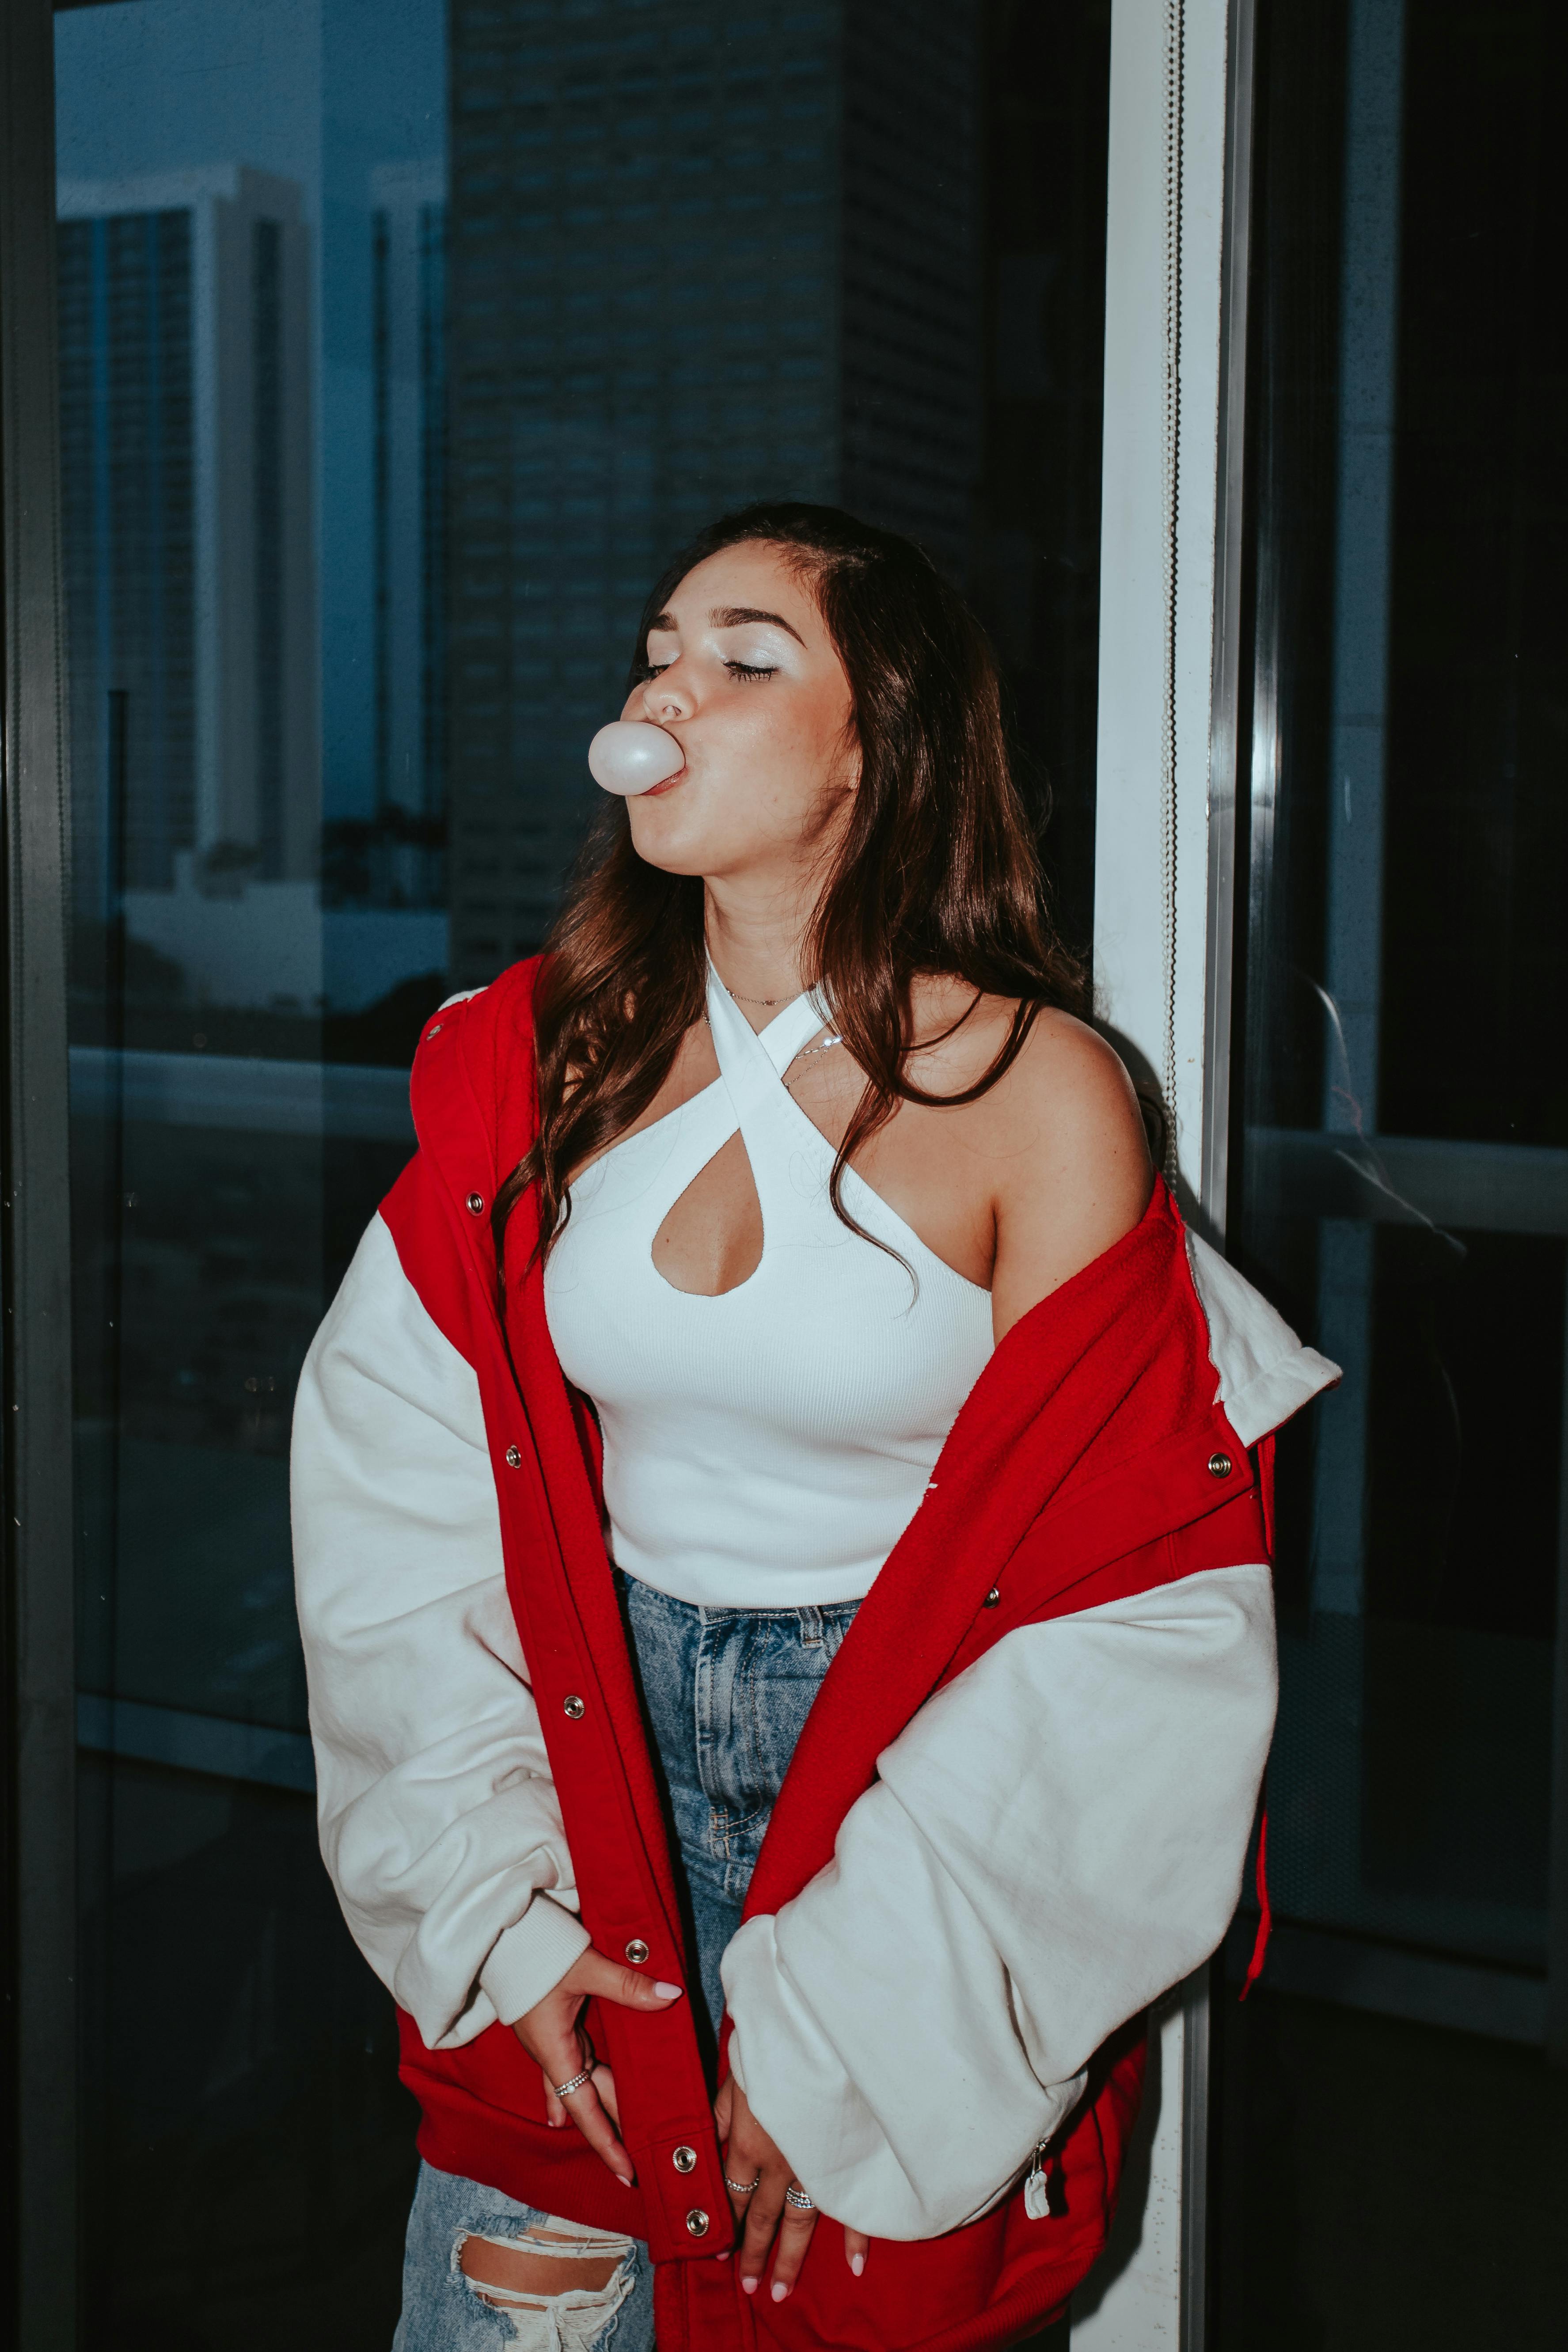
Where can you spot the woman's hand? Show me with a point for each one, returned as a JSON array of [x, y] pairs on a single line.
[[761, 2211], [552, 2035]]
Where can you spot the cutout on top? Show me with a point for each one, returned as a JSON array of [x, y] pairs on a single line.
[[712, 1238]]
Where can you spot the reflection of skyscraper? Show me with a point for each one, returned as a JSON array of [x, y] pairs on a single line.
[[408, 247], [189, 547], [693, 260]]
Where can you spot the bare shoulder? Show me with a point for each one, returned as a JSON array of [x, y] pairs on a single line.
[[1068, 1079], [1059, 1139], [1065, 1079]]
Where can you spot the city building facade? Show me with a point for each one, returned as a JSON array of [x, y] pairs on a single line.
[[694, 261], [408, 360], [189, 541]]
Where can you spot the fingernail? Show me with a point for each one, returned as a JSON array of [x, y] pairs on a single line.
[[627, 2179], [779, 2292], [668, 1992], [856, 2263], [725, 2255], [748, 2286]]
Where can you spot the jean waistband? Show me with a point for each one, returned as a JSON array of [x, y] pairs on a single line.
[[704, 1612]]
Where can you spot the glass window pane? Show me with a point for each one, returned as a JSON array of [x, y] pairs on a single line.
[[1403, 1176], [400, 344]]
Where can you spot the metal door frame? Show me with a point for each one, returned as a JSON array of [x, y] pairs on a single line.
[[39, 1761], [1170, 749]]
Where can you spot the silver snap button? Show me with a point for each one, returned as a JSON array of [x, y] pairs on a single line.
[[697, 2222], [514, 1458], [476, 1204], [1220, 1465], [573, 1707], [993, 1599], [685, 2159], [636, 1951]]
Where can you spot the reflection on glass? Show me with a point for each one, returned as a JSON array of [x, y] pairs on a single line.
[[1395, 1179], [693, 263], [185, 381], [1403, 1156], [252, 356], [408, 360], [399, 346]]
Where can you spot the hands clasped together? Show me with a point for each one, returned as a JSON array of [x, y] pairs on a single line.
[[765, 2198]]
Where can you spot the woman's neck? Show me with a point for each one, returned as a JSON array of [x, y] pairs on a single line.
[[755, 941]]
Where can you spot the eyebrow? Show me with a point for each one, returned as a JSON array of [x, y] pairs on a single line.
[[731, 617]]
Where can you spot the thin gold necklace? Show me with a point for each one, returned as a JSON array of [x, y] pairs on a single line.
[[736, 998], [769, 1000]]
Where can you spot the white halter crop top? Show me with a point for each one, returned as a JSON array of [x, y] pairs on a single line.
[[767, 1448]]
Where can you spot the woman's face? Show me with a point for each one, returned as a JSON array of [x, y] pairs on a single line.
[[745, 676]]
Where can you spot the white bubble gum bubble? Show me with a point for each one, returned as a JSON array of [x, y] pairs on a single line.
[[632, 755]]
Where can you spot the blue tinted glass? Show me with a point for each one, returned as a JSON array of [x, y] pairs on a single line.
[[1401, 1169], [1403, 1176], [399, 347]]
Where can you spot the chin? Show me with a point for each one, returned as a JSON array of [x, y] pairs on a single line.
[[669, 845]]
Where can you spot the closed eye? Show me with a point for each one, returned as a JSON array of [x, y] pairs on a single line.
[[751, 669]]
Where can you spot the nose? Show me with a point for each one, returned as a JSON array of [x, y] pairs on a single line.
[[668, 696]]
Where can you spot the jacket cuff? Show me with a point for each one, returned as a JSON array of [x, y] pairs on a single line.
[[530, 1958]]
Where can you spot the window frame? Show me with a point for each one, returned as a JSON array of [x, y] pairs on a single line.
[[39, 2053], [39, 1757]]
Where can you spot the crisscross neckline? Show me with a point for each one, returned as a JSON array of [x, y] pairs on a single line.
[[781, 1039]]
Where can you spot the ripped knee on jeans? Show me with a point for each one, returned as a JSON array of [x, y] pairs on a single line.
[[559, 2283]]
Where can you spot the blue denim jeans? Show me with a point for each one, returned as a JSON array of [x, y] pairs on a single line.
[[726, 1693], [445, 2310]]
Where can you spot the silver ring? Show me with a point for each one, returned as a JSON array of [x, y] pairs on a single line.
[[742, 2187], [564, 2090], [795, 2195]]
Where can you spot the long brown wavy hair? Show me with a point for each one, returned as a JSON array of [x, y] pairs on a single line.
[[937, 871]]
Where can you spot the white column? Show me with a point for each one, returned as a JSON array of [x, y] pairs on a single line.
[[1132, 2302], [1156, 616], [1162, 345]]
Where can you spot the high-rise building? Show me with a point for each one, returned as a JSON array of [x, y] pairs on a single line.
[[189, 545], [696, 257], [408, 251]]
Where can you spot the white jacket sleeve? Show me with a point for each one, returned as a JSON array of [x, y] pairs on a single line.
[[1056, 1839], [438, 1816]]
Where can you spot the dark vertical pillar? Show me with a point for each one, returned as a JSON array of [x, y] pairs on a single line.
[[381, 492], [433, 538], [38, 2295], [267, 483], [1557, 1925]]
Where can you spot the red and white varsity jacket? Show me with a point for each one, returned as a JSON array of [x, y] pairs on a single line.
[[1018, 1813]]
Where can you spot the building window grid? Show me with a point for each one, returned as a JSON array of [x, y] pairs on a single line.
[[129, 545], [575, 370]]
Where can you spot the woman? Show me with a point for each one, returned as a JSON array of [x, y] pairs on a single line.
[[782, 1303]]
